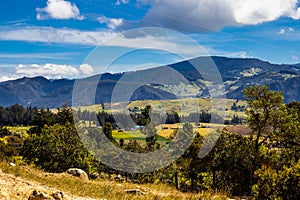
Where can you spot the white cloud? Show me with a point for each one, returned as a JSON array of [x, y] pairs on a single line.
[[112, 23], [94, 38], [86, 69], [48, 56], [50, 71], [286, 30], [243, 55], [53, 35], [59, 9], [291, 29], [282, 31], [9, 77], [119, 2], [203, 15], [294, 57]]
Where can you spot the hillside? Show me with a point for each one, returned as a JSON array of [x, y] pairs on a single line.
[[182, 81], [24, 180]]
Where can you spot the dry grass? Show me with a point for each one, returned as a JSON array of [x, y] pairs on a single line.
[[244, 130], [102, 188]]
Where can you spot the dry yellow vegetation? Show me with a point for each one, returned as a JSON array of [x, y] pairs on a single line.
[[18, 182]]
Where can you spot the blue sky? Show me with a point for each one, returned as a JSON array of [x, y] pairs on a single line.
[[75, 38]]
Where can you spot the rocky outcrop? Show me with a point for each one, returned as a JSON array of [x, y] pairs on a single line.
[[118, 178], [17, 188], [36, 195], [135, 191], [94, 176], [78, 173]]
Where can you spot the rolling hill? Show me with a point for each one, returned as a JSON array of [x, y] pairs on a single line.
[[179, 80]]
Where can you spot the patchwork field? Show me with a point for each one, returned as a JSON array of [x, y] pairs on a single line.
[[181, 106]]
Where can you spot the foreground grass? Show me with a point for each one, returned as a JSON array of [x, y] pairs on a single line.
[[102, 188]]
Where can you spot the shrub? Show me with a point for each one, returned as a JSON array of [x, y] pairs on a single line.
[[277, 184]]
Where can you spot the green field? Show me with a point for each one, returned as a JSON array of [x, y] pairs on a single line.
[[138, 136]]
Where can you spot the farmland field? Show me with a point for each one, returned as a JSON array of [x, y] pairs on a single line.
[[181, 106]]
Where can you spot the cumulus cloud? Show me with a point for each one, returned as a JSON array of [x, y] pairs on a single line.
[[59, 9], [86, 69], [50, 71], [208, 15], [8, 78], [111, 23]]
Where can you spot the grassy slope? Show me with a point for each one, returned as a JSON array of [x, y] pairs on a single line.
[[102, 188], [182, 106]]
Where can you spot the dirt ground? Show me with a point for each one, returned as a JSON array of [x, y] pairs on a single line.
[[15, 188]]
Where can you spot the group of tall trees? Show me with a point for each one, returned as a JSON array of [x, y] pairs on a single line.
[[17, 115], [265, 164]]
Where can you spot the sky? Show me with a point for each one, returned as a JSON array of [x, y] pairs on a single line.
[[79, 38]]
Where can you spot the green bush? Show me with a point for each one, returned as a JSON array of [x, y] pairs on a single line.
[[56, 149], [277, 185], [6, 151]]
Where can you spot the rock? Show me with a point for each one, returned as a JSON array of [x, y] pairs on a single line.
[[58, 196], [135, 191], [78, 173], [36, 195], [118, 178], [94, 176], [12, 164]]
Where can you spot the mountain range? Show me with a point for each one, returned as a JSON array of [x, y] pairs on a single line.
[[179, 80]]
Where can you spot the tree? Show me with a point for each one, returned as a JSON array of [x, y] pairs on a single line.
[[145, 118], [151, 139], [107, 130], [149, 129], [56, 149], [64, 115], [277, 143], [172, 117], [190, 163], [233, 162], [263, 110]]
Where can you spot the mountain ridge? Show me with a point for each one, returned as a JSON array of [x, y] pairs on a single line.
[[183, 81]]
